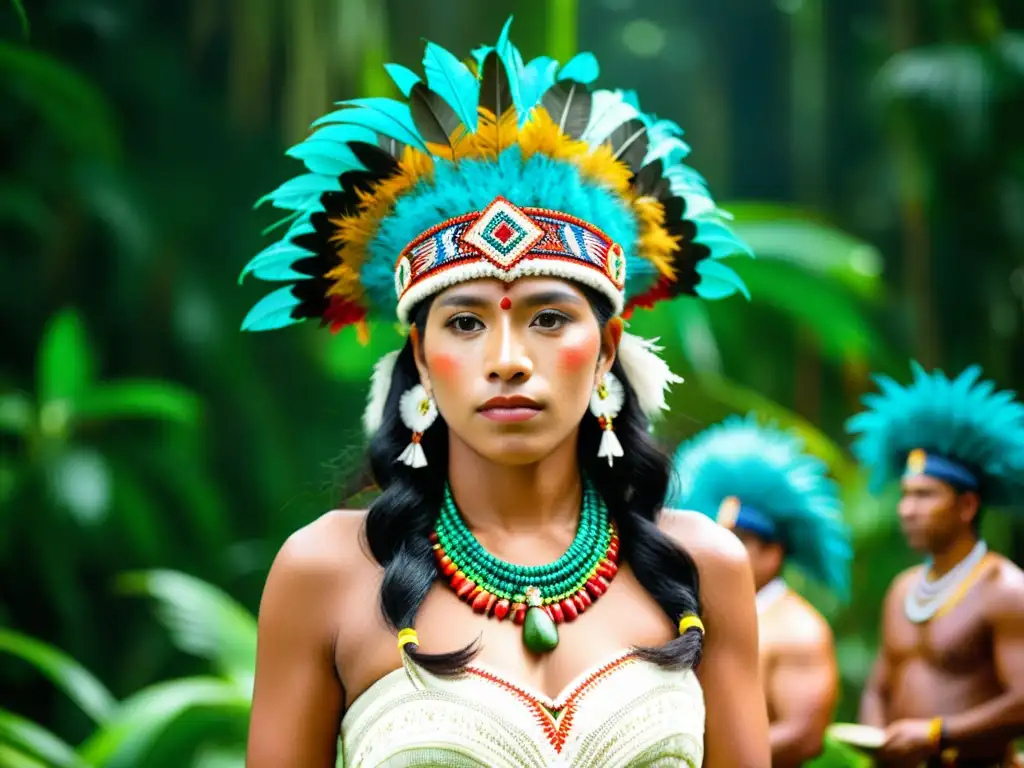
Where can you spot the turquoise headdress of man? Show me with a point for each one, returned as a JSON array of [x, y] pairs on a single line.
[[961, 431], [758, 478], [493, 168]]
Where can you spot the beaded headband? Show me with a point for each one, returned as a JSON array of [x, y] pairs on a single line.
[[506, 242]]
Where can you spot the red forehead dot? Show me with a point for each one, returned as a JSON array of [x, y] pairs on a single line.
[[505, 303]]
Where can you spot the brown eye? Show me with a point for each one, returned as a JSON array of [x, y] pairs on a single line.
[[550, 320], [465, 324]]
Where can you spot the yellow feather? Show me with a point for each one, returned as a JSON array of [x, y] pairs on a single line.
[[654, 242], [353, 232]]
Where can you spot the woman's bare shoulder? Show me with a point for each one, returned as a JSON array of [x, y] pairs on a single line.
[[715, 549], [328, 550]]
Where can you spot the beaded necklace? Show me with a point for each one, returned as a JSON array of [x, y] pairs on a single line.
[[536, 597]]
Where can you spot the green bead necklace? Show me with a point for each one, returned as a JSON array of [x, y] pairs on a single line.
[[536, 597]]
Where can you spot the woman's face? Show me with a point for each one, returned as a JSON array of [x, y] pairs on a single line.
[[511, 366]]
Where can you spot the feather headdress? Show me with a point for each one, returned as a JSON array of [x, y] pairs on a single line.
[[494, 168], [746, 475], [960, 430]]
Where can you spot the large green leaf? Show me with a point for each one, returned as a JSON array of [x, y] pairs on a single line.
[[804, 239], [139, 399], [19, 9], [126, 739], [841, 324], [202, 620], [220, 757], [80, 685], [37, 741], [65, 366], [15, 758], [74, 111]]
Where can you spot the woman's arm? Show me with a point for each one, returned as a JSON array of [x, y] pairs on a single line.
[[298, 699], [736, 728]]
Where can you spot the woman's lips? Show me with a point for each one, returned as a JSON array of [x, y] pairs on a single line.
[[509, 413]]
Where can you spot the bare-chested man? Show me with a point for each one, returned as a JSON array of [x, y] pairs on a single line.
[[759, 482], [948, 684]]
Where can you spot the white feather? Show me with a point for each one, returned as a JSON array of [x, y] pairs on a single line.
[[610, 405], [610, 446], [380, 385], [648, 375]]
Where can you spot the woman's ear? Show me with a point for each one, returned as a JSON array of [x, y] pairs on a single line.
[[611, 335], [417, 355]]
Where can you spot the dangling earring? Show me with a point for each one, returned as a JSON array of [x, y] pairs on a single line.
[[417, 411], [606, 403]]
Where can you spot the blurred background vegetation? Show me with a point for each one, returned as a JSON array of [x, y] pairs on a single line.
[[151, 457]]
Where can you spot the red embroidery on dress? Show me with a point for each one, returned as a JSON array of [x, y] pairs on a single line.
[[556, 723]]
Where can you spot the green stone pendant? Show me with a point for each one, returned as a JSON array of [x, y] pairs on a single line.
[[539, 631]]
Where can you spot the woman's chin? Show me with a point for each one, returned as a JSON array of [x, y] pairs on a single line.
[[517, 450]]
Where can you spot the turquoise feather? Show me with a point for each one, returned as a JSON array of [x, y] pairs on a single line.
[[513, 62], [273, 311], [403, 77], [770, 471], [583, 68], [326, 157], [608, 111], [385, 116], [274, 263], [964, 419], [537, 76], [452, 80], [345, 134], [708, 268], [302, 192], [720, 239]]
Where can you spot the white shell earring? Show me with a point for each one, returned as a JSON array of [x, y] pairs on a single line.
[[417, 411], [606, 403]]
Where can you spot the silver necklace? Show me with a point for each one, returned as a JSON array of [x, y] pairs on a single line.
[[927, 596], [769, 594]]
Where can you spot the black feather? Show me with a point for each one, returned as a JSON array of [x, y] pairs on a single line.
[[392, 146], [434, 118], [629, 143], [569, 103], [649, 181], [495, 93]]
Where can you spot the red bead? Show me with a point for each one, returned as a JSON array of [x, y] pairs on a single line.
[[480, 601], [555, 611], [501, 609], [578, 600], [433, 537], [491, 601], [465, 589], [569, 610], [608, 569], [584, 598], [595, 587], [458, 579], [449, 568], [518, 613], [474, 592]]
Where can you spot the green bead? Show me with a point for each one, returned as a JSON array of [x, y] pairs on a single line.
[[539, 632]]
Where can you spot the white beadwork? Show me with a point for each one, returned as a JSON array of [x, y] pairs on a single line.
[[925, 597]]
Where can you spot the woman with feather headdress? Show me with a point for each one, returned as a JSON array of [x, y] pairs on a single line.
[[514, 597]]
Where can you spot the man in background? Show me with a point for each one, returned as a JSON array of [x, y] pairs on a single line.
[[759, 482], [948, 684]]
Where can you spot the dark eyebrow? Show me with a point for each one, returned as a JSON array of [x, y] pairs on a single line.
[[464, 299], [551, 297]]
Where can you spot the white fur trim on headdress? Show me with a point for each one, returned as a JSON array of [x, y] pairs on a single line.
[[380, 385], [648, 375]]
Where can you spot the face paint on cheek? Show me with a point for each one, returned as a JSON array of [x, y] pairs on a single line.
[[578, 355], [444, 366]]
